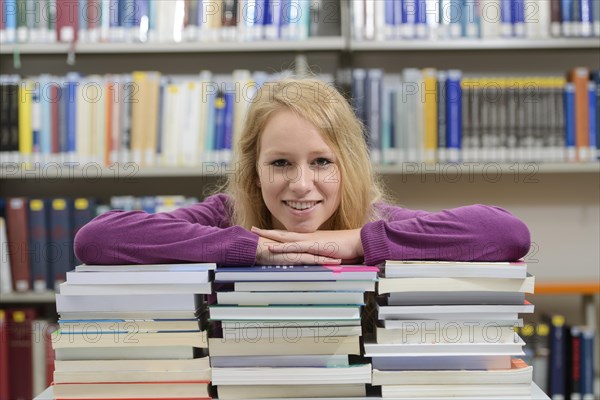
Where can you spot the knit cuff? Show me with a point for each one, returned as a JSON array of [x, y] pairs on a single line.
[[243, 250], [375, 243]]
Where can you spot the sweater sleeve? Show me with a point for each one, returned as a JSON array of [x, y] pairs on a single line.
[[470, 233], [200, 233]]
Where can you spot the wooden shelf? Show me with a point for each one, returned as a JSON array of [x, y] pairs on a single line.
[[580, 288], [93, 171], [475, 44], [27, 297], [325, 43]]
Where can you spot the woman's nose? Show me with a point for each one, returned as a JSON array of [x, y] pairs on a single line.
[[301, 179]]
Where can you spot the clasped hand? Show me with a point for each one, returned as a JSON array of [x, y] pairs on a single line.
[[279, 247]]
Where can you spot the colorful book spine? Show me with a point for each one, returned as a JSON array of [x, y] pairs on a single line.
[[570, 148], [38, 244], [453, 115]]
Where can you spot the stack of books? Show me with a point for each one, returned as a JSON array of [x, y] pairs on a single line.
[[133, 332], [289, 331], [447, 329]]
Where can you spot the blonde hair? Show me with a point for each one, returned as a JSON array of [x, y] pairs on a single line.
[[324, 107]]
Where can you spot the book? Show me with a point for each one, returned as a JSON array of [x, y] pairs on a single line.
[[512, 348], [452, 269], [297, 298], [290, 391], [350, 286], [360, 373], [125, 353], [61, 339], [132, 289], [295, 273], [427, 362], [130, 376], [133, 277], [128, 303], [280, 361], [493, 390], [177, 267], [285, 346], [519, 372], [389, 285], [291, 312], [139, 390], [450, 298], [112, 326], [451, 332], [460, 312]]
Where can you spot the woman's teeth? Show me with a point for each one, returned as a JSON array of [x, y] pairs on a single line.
[[301, 205]]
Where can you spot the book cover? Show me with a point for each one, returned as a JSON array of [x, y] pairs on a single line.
[[18, 243], [38, 244], [20, 353]]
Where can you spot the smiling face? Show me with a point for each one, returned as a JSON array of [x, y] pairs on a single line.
[[298, 174]]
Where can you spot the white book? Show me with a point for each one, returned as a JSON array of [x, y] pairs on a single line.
[[436, 324], [280, 361], [451, 269], [453, 391], [389, 285], [132, 325], [426, 362], [277, 298], [358, 19], [448, 332], [120, 315], [124, 353], [132, 302], [290, 324], [147, 267], [455, 310], [249, 332], [218, 312], [285, 346], [130, 289], [132, 277], [296, 273], [298, 376], [351, 286], [196, 364], [129, 339], [435, 349]]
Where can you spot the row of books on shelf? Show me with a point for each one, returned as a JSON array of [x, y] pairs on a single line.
[[434, 115], [481, 19], [113, 21], [399, 330], [37, 235], [419, 115], [561, 355]]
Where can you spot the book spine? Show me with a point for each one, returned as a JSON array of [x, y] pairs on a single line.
[[38, 244], [571, 152], [373, 112], [557, 377], [454, 115], [4, 357], [20, 353], [587, 363], [575, 381], [593, 122], [579, 77], [441, 116], [567, 17]]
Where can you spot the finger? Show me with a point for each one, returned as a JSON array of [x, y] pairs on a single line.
[[304, 259], [276, 234], [326, 250]]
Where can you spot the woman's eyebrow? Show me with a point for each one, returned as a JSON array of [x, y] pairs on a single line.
[[287, 153]]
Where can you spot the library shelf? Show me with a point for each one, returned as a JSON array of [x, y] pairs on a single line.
[[475, 44], [27, 297], [325, 43]]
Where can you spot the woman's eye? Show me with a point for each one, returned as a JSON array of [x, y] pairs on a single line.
[[279, 163], [322, 162]]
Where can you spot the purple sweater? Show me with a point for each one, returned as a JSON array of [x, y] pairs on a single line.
[[203, 233]]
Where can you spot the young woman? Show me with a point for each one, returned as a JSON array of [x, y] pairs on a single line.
[[304, 192]]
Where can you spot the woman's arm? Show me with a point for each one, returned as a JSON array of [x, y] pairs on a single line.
[[200, 233], [470, 233]]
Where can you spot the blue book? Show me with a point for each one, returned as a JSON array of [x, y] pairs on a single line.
[[595, 77], [398, 18], [60, 238], [470, 19], [10, 22], [557, 365], [518, 17], [442, 76], [114, 18], [83, 18], [453, 115], [570, 121], [593, 122], [219, 125], [421, 19], [566, 13], [506, 18], [72, 81], [229, 98], [210, 140], [455, 11], [409, 18], [149, 204], [587, 364], [272, 19], [35, 128], [389, 18], [140, 20], [38, 245], [587, 18]]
